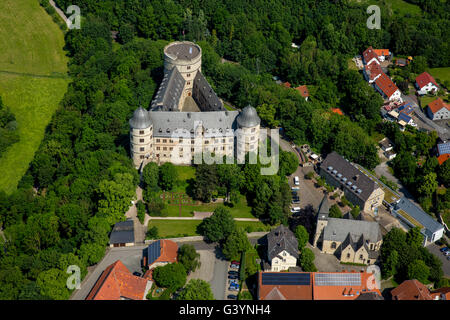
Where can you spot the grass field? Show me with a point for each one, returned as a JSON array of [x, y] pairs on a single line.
[[443, 74], [33, 79], [187, 228]]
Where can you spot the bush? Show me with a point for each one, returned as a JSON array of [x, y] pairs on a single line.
[[309, 175], [152, 233], [140, 211]]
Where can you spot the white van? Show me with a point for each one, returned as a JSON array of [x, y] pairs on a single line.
[[296, 181], [295, 209]]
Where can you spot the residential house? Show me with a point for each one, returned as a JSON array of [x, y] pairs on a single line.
[[286, 84], [122, 234], [160, 253], [441, 294], [303, 91], [438, 110], [404, 119], [358, 188], [386, 144], [370, 56], [118, 283], [401, 62], [282, 249], [425, 83], [387, 88], [315, 285], [351, 241], [443, 152], [390, 154], [372, 72], [383, 54], [413, 216], [411, 290]]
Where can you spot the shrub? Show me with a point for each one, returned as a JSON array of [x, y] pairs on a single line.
[[140, 211]]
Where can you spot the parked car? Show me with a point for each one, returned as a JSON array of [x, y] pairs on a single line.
[[233, 289], [232, 272], [446, 253], [233, 276], [234, 266], [295, 188], [235, 262], [232, 296], [296, 181], [295, 209], [445, 249], [232, 282], [295, 200]]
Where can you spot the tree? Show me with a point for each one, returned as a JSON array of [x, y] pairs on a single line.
[[206, 179], [171, 276], [168, 176], [235, 244], [335, 212], [302, 236], [150, 176], [140, 206], [153, 233], [219, 226], [414, 237], [355, 211], [189, 257], [418, 270], [307, 260], [428, 185], [390, 267], [196, 289], [52, 284], [91, 253]]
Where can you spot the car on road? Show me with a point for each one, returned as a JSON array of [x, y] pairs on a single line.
[[296, 181], [444, 249], [295, 209], [232, 296]]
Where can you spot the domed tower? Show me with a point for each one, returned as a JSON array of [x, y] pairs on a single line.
[[248, 135], [141, 136], [186, 56]]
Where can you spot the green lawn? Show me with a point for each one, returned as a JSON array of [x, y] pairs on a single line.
[[33, 79], [443, 74], [184, 174], [425, 100], [186, 228], [398, 7]]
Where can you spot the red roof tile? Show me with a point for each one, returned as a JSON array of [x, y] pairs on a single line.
[[442, 292], [386, 85], [369, 54], [437, 105], [169, 251], [117, 282], [411, 290], [373, 70], [425, 78], [303, 91], [287, 84], [381, 52], [338, 111], [443, 157]]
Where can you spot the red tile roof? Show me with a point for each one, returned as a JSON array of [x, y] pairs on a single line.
[[443, 157], [316, 292], [369, 54], [381, 52], [441, 293], [373, 70], [411, 290], [437, 105], [303, 91], [117, 282], [287, 84], [386, 85], [169, 251], [425, 78], [338, 111]]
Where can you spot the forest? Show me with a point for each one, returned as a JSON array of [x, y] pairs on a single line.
[[82, 180]]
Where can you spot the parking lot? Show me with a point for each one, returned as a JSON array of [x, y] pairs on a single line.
[[434, 249], [229, 292]]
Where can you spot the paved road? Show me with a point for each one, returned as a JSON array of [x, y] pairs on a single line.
[[200, 218], [60, 12]]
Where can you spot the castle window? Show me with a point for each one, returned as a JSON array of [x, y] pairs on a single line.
[[192, 141], [142, 149], [253, 129], [170, 141], [188, 67], [158, 140], [206, 142], [181, 155], [141, 140], [333, 245], [348, 255], [164, 140], [181, 149], [141, 157], [188, 83], [181, 140], [165, 148], [188, 75], [223, 140], [141, 132], [360, 257], [192, 149], [158, 148]]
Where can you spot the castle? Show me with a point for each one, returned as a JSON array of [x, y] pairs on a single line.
[[187, 118]]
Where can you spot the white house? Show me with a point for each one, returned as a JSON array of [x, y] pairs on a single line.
[[282, 249], [425, 83], [438, 110], [387, 88]]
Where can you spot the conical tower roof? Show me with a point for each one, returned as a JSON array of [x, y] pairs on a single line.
[[248, 117], [141, 119]]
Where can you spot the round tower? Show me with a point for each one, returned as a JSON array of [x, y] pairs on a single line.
[[186, 56], [248, 135], [141, 136]]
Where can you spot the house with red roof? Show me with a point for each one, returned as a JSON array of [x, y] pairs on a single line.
[[286, 84], [160, 253], [370, 56], [337, 111], [303, 91], [438, 110], [315, 285], [411, 290], [382, 54], [118, 283], [387, 88], [372, 72], [425, 83]]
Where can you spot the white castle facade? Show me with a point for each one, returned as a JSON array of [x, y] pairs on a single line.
[[187, 119]]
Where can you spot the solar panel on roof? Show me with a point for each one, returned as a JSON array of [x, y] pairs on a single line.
[[293, 279], [404, 117], [153, 251], [337, 279], [444, 148]]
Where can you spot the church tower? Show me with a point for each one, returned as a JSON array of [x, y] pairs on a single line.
[[322, 219], [248, 132]]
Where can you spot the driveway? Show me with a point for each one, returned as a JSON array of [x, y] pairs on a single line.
[[434, 249], [130, 256]]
